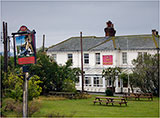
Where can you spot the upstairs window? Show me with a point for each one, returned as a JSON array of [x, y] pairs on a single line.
[[70, 57], [124, 57], [54, 57], [86, 58], [139, 53], [97, 58]]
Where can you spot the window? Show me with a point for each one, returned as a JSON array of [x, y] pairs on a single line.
[[124, 57], [70, 56], [98, 82], [139, 54], [54, 56], [87, 81], [142, 55], [97, 58], [86, 58], [108, 82]]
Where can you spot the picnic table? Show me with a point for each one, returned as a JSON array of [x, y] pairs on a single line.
[[138, 96], [111, 100]]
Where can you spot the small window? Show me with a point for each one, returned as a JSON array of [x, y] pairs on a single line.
[[139, 54], [54, 57], [97, 58], [124, 57], [86, 58], [87, 81], [98, 82], [70, 57]]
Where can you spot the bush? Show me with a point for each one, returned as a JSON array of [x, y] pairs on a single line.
[[82, 96], [18, 109], [33, 107], [68, 86], [8, 104], [109, 92]]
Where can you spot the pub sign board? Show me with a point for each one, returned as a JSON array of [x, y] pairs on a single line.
[[107, 59], [26, 48]]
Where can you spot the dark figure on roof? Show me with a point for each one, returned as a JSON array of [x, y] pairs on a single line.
[[109, 30]]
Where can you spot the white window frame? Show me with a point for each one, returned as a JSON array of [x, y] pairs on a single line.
[[97, 81], [70, 56], [97, 59], [88, 81], [124, 57], [86, 59], [54, 57]]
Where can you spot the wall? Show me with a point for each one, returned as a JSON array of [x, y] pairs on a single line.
[[117, 61]]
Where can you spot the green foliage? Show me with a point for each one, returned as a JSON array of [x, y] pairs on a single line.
[[34, 89], [33, 107], [10, 105], [109, 92], [132, 80], [68, 86], [146, 73], [54, 76], [14, 86], [124, 77], [111, 73]]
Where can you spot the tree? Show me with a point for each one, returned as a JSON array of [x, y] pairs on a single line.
[[132, 80], [14, 86], [146, 73], [13, 82], [111, 74], [54, 76]]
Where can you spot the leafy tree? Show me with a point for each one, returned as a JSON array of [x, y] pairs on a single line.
[[146, 73], [54, 76], [45, 68], [132, 80], [124, 77], [14, 86], [13, 82], [110, 74]]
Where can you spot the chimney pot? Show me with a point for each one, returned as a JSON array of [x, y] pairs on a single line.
[[109, 30]]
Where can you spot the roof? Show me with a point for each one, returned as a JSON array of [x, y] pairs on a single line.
[[92, 43]]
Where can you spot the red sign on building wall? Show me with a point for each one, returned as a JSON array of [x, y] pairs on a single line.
[[107, 59]]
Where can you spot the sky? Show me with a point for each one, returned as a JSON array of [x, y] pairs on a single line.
[[60, 20]]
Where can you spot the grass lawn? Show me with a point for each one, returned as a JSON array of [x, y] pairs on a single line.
[[86, 108]]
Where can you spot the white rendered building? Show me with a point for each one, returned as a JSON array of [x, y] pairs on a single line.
[[100, 53]]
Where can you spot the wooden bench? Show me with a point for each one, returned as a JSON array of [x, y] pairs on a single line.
[[138, 96], [126, 96], [145, 95], [111, 100]]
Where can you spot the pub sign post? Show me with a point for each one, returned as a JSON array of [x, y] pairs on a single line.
[[25, 46]]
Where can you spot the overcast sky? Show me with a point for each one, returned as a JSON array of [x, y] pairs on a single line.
[[64, 19]]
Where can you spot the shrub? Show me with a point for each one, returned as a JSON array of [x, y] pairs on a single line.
[[82, 96], [68, 86], [18, 108], [109, 92], [8, 104], [33, 107]]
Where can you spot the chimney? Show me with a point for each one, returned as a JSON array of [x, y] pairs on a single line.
[[154, 32], [109, 30]]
